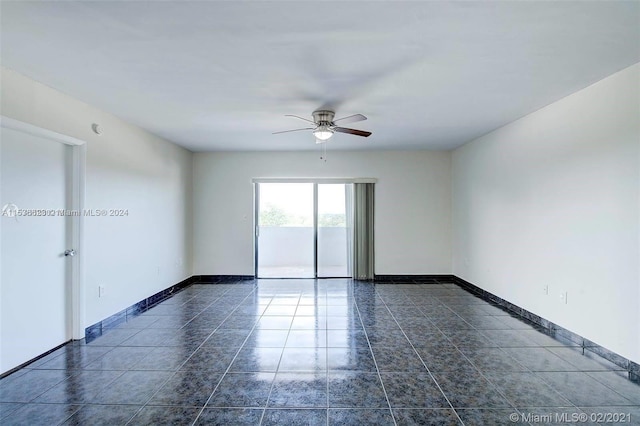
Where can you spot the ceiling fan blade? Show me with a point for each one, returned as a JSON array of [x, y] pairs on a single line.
[[294, 130], [352, 131], [351, 119], [291, 115]]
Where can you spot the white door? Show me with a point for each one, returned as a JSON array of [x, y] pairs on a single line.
[[35, 178]]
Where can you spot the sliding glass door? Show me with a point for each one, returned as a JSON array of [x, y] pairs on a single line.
[[304, 230], [285, 234], [334, 230]]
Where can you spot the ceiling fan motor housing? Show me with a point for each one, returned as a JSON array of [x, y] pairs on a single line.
[[323, 117]]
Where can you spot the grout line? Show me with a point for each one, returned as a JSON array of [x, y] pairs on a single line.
[[189, 357], [234, 357], [421, 360], [273, 382], [402, 290], [198, 348], [393, 417]]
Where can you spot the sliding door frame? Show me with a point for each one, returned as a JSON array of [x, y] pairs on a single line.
[[315, 181]]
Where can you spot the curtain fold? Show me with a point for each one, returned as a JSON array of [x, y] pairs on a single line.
[[363, 235], [348, 202]]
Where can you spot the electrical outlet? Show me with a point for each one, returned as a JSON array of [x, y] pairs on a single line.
[[100, 291], [545, 289]]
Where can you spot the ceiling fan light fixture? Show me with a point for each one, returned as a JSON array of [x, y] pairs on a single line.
[[323, 132]]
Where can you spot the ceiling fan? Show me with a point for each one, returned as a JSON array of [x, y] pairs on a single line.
[[325, 125]]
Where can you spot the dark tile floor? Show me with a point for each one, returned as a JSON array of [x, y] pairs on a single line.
[[309, 352]]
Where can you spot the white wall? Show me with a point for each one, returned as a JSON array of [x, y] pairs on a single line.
[[413, 205], [553, 199], [127, 168]]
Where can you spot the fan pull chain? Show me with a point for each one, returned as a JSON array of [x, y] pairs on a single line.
[[323, 156]]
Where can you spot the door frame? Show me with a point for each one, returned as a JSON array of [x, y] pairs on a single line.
[[316, 182], [75, 289]]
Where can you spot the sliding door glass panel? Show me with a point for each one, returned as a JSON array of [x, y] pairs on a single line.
[[285, 230], [334, 230]]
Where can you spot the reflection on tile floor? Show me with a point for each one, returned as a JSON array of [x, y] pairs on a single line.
[[319, 352]]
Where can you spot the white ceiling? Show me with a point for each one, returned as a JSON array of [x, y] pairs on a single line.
[[221, 75]]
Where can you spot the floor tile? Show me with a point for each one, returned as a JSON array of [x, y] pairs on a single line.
[[227, 338], [445, 358], [307, 339], [343, 323], [132, 387], [103, 415], [468, 338], [151, 337], [299, 390], [303, 359], [613, 415], [485, 322], [307, 323], [586, 361], [490, 416], [267, 339], [242, 390], [79, 388], [469, 390], [356, 390], [120, 358], [387, 337], [114, 337], [311, 310], [169, 322], [75, 357], [358, 358], [397, 358], [509, 339], [347, 338], [276, 323], [310, 417], [280, 310], [41, 414], [318, 351], [7, 408], [539, 359], [360, 417], [164, 359], [411, 390], [427, 339], [239, 322], [30, 385], [210, 359], [427, 417], [253, 359], [492, 359], [525, 389], [139, 322], [618, 382], [187, 388], [164, 416], [582, 389]]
